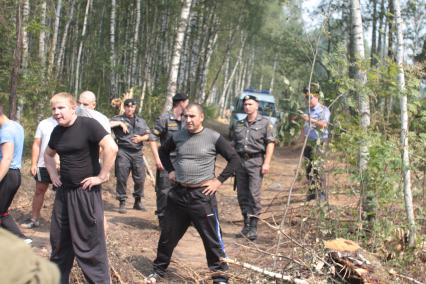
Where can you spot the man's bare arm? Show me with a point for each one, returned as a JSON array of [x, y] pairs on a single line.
[[35, 153], [7, 157], [49, 160]]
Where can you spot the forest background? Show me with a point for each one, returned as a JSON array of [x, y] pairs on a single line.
[[368, 56]]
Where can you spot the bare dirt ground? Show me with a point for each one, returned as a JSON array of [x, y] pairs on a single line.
[[132, 237]]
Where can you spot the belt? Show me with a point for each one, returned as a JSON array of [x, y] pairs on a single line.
[[247, 156], [190, 186]]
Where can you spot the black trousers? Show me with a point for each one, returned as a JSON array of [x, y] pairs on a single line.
[[8, 188], [77, 231], [162, 188], [125, 163], [185, 206], [314, 155]]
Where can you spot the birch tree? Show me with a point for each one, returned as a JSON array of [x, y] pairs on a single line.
[[42, 36], [25, 22], [80, 49], [408, 197], [113, 83], [54, 38], [60, 58], [357, 47], [177, 51], [17, 56], [135, 43]]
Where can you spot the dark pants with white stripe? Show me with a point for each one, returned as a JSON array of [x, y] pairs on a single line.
[[8, 188], [77, 231], [186, 205]]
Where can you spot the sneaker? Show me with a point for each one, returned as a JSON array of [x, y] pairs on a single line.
[[28, 241], [153, 278], [30, 224]]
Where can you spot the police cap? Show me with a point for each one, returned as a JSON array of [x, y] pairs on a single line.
[[129, 102], [179, 97], [250, 97]]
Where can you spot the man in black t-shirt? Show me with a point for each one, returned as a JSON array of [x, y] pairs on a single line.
[[77, 228]]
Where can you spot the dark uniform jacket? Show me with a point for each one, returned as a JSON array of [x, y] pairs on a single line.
[[136, 126]]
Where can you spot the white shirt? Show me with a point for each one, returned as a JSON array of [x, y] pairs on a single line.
[[96, 115], [44, 129]]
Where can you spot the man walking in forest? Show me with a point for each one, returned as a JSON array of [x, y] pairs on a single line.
[[316, 119], [254, 140], [38, 169], [130, 132], [12, 144], [192, 199], [165, 126], [77, 227]]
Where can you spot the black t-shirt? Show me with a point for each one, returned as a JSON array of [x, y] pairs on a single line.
[[78, 149]]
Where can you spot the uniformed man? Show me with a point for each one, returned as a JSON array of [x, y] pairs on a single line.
[[165, 126], [316, 119], [254, 139], [130, 132], [192, 199]]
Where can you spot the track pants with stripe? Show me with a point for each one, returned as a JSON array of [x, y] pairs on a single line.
[[77, 231], [186, 205]]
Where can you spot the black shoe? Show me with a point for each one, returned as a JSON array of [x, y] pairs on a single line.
[[252, 233], [153, 278], [246, 228], [122, 208], [138, 205]]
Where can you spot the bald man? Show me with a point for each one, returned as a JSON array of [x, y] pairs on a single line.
[[86, 107]]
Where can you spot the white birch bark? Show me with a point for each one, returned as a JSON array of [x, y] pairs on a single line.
[[136, 43], [251, 68], [60, 58], [52, 50], [205, 71], [42, 36], [113, 82], [80, 49], [222, 98], [274, 68], [408, 197], [25, 17], [177, 51], [360, 77]]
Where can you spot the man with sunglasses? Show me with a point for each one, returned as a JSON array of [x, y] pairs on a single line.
[[316, 119]]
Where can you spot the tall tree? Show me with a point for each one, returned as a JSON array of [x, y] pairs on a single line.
[[113, 56], [42, 36], [177, 52], [17, 57], [136, 43], [52, 50], [80, 49], [25, 37], [357, 47], [60, 58], [408, 197]]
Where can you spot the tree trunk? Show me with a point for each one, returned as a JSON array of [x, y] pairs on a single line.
[[357, 46], [408, 197], [113, 82], [60, 58], [390, 18], [206, 64], [177, 51], [381, 33], [25, 23], [80, 50], [136, 43], [274, 68], [17, 56], [42, 37], [54, 38], [373, 59]]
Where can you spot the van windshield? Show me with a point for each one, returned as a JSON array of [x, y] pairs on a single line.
[[265, 108]]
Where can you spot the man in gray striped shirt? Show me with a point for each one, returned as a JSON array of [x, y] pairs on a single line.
[[192, 199]]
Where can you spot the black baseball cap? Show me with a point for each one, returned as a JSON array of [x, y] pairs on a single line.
[[250, 97], [129, 102], [179, 97]]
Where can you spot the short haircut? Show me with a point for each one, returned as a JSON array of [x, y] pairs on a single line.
[[197, 106], [89, 95], [63, 95]]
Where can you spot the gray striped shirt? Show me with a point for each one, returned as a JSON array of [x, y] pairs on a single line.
[[196, 156]]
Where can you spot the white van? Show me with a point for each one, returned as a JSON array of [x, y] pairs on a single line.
[[267, 107]]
